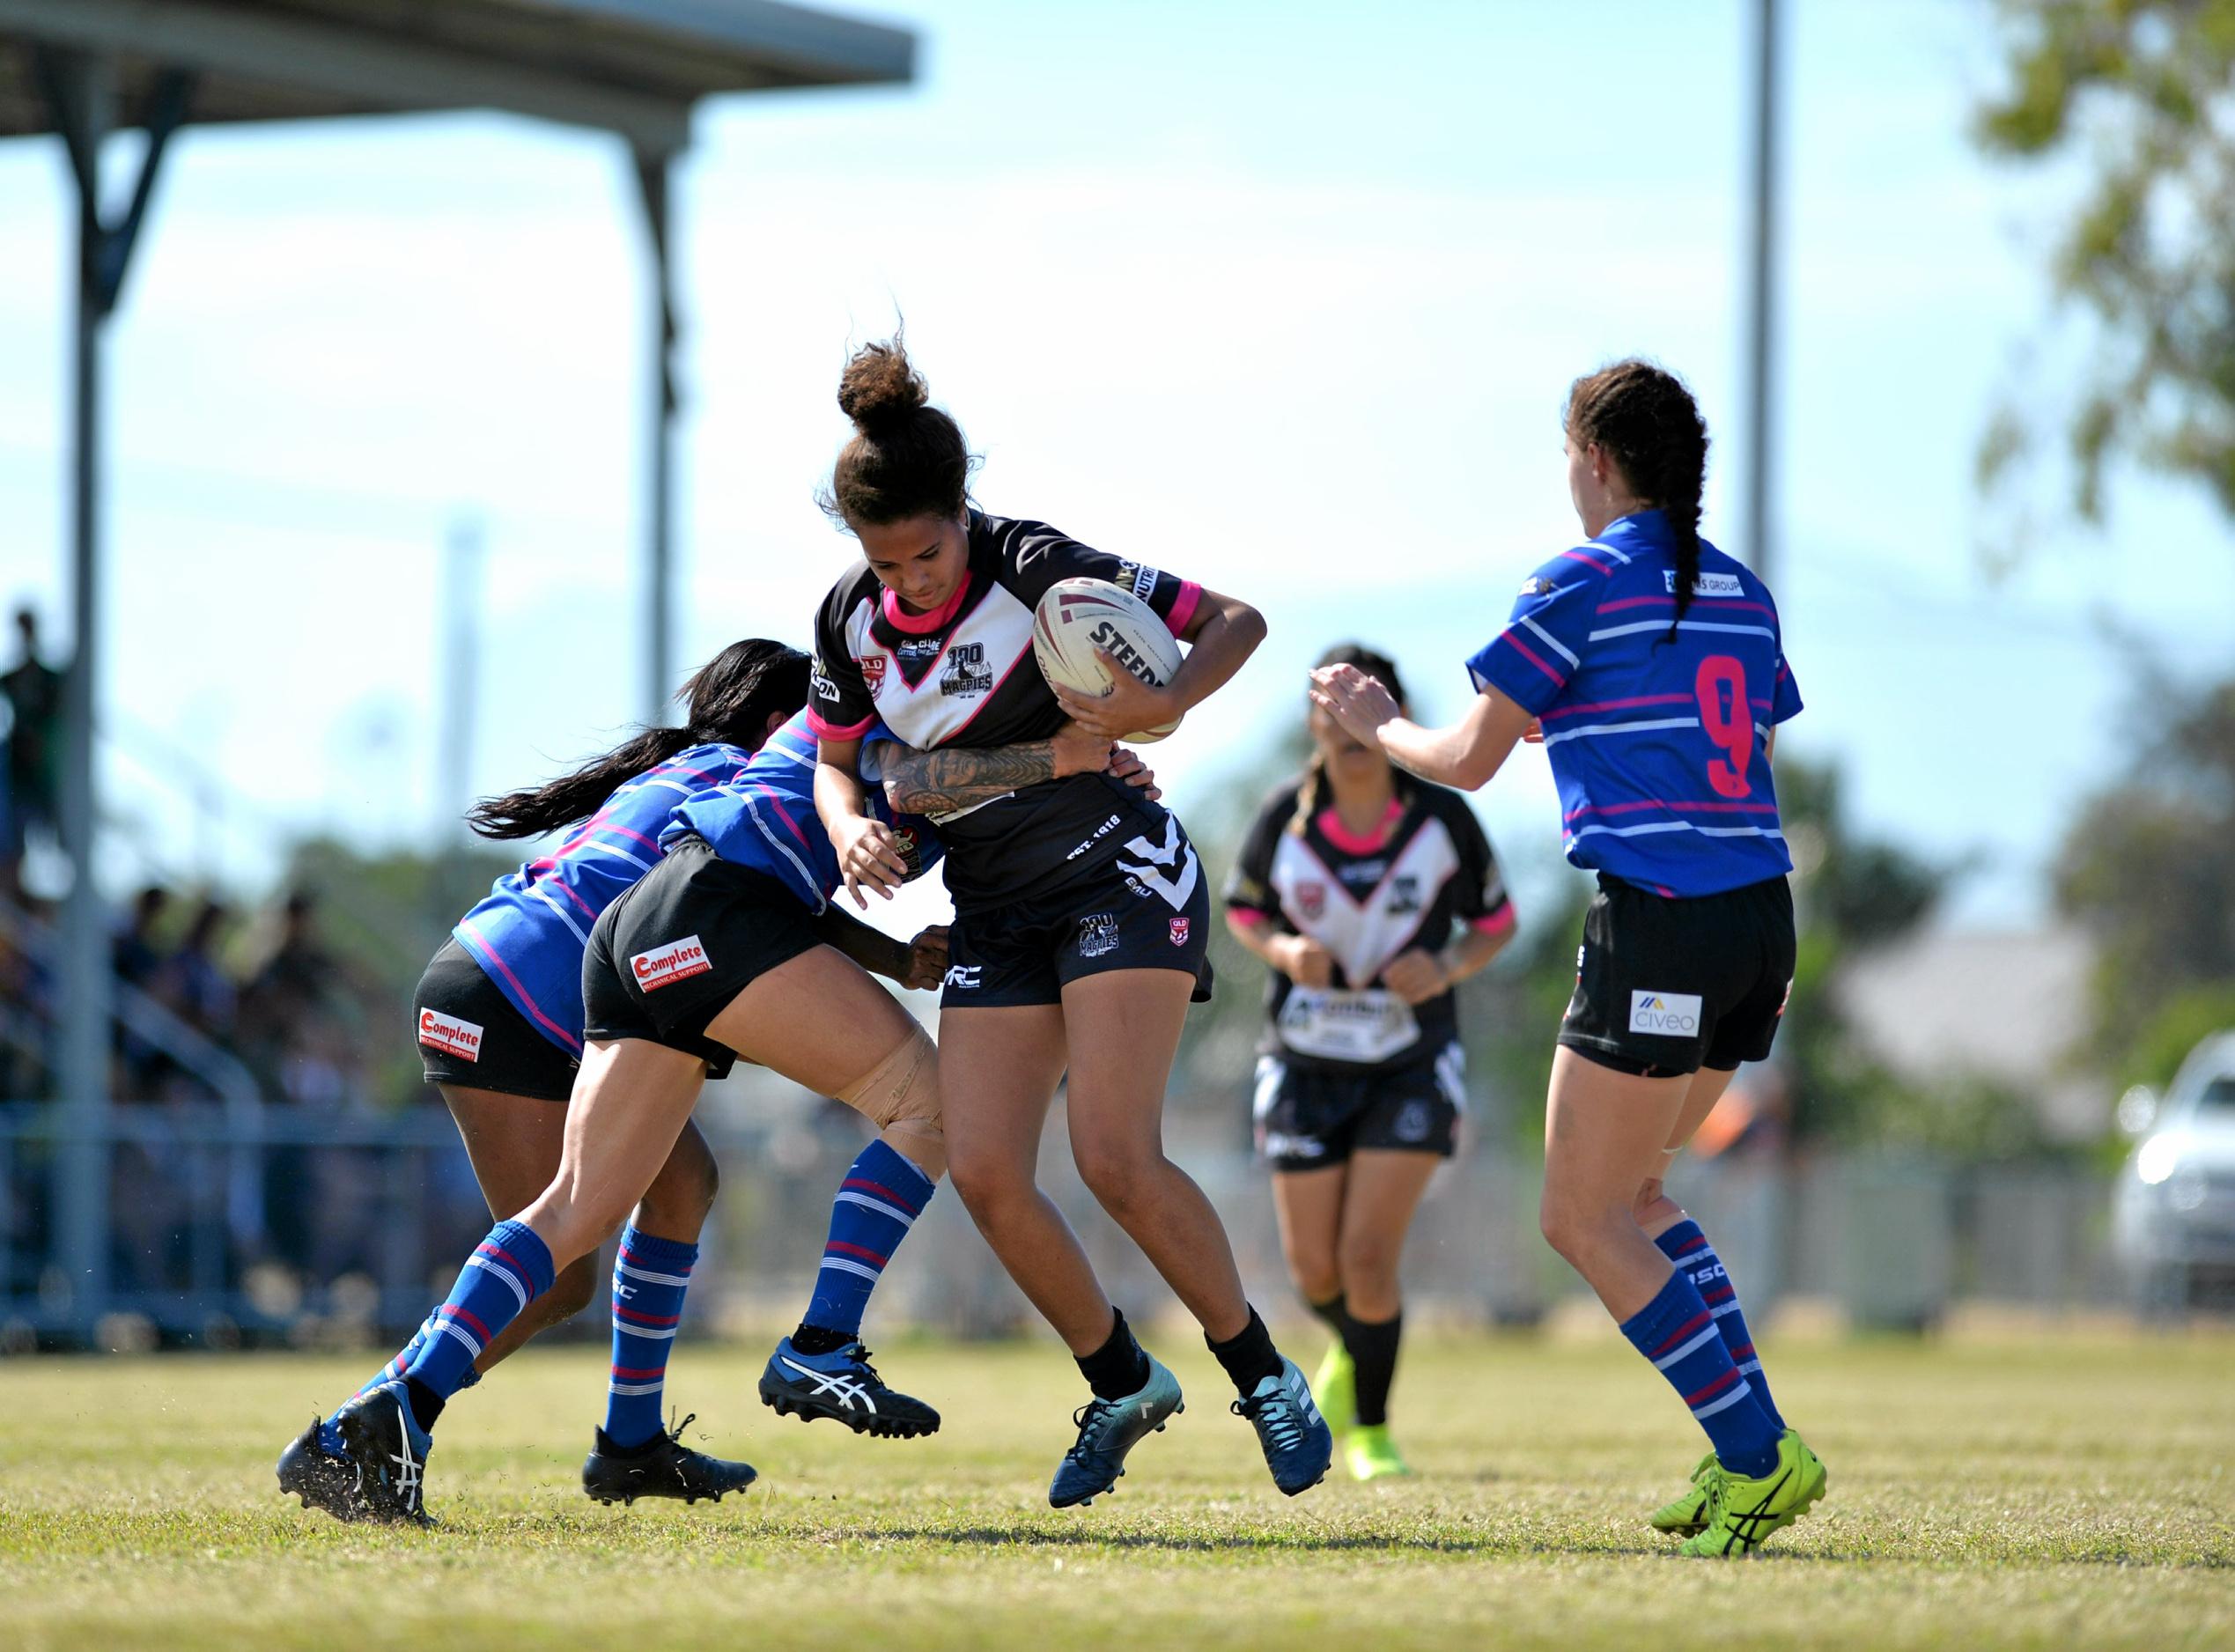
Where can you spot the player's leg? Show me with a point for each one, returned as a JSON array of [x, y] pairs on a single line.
[[1603, 1132], [999, 1067], [631, 1100], [1308, 1206], [1383, 1192], [822, 1369], [1123, 1028]]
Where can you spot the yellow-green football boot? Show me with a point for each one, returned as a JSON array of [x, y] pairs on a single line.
[[1743, 1510], [1370, 1453], [1334, 1390], [1687, 1514]]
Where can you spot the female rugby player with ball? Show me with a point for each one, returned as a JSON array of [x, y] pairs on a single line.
[[1081, 907], [1349, 885], [1656, 666]]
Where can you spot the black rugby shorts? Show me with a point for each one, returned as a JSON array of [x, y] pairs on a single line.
[[470, 1035]]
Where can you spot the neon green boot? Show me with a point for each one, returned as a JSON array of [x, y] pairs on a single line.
[[1370, 1453], [1687, 1514], [1334, 1390], [1743, 1511]]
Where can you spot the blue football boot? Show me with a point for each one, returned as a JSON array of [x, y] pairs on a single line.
[[844, 1387], [1108, 1429], [1298, 1444]]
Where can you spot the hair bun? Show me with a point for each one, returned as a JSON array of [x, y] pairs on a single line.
[[879, 390]]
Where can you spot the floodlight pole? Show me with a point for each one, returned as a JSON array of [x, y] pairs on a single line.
[[654, 171], [1762, 293], [80, 90]]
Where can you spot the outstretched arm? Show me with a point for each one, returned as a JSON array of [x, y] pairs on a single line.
[[953, 778], [1465, 756]]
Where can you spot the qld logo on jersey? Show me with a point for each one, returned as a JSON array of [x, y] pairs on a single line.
[[664, 966], [1179, 932], [1665, 1014], [873, 671], [1311, 902]]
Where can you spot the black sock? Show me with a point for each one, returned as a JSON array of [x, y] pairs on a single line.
[[1334, 1312], [1372, 1350], [1249, 1355], [1119, 1368], [817, 1340], [426, 1405]]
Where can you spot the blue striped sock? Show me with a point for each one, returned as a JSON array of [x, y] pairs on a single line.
[[649, 1276], [877, 1203], [1688, 1248], [1677, 1332], [507, 1271]]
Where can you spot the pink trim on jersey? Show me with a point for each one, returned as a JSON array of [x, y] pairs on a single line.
[[1183, 606], [1494, 923], [1598, 568], [572, 895], [572, 1040], [781, 810], [1332, 827], [920, 625], [1523, 650], [1618, 705], [1655, 802], [825, 730], [1248, 917]]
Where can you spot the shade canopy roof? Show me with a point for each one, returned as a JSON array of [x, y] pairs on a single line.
[[633, 67]]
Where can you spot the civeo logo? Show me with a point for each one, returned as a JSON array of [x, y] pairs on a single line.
[[1665, 1014], [664, 966]]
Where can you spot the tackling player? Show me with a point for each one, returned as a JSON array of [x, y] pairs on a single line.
[[1654, 665], [1349, 886], [1080, 906]]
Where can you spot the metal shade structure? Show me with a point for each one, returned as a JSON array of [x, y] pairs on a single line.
[[82, 69]]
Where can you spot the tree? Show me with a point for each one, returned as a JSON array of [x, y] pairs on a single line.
[[2148, 866], [2145, 89]]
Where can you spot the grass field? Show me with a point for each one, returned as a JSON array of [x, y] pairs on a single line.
[[2038, 1494]]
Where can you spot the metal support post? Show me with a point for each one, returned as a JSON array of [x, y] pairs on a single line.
[[1762, 295], [652, 179]]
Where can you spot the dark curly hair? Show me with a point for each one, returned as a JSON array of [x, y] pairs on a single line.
[[907, 457], [1645, 419], [730, 697]]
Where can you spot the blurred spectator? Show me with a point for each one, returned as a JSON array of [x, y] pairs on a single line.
[[137, 957], [33, 690], [192, 984]]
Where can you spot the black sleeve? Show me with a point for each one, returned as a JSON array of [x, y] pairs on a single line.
[[839, 703], [1248, 887], [1479, 887], [1033, 556]]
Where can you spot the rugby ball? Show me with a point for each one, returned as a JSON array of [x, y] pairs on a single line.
[[1077, 616]]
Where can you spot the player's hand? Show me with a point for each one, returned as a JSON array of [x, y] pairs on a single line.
[[869, 857], [1130, 706], [1078, 750], [1356, 701], [926, 960], [1416, 975], [1126, 764], [1534, 734], [1304, 961]]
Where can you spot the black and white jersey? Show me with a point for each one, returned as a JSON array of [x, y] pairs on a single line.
[[1427, 869], [965, 676]]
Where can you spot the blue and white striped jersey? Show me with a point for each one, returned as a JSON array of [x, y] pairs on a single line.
[[529, 933], [764, 817], [1656, 744]]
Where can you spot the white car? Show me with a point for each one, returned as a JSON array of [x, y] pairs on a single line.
[[2174, 1219]]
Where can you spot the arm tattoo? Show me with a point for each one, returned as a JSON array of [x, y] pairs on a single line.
[[941, 782]]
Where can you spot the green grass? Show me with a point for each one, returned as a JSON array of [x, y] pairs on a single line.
[[2042, 1494]]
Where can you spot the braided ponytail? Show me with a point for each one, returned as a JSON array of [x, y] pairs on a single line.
[[1644, 419]]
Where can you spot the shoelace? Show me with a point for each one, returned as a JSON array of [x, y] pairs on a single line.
[[1088, 1419], [1281, 1423], [675, 1430]]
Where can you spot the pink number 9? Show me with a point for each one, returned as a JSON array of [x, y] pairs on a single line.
[[1728, 723]]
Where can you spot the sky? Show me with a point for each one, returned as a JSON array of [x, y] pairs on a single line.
[[1283, 298]]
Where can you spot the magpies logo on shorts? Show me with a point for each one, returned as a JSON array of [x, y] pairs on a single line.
[[1097, 934]]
